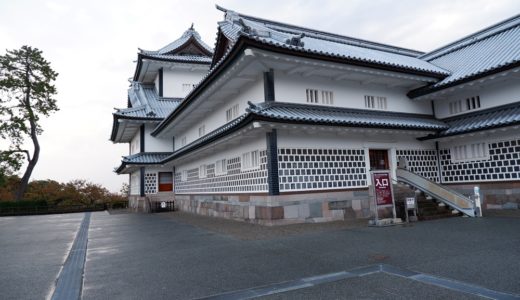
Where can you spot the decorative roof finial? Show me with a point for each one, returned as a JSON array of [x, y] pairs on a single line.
[[191, 28]]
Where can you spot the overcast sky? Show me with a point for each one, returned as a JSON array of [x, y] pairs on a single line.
[[93, 45]]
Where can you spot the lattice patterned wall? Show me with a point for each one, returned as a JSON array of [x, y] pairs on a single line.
[[503, 164], [314, 169], [422, 162], [150, 183], [235, 181]]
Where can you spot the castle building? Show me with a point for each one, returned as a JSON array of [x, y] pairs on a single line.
[[281, 123]]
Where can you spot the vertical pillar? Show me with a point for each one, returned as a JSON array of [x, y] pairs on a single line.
[[141, 182], [141, 138], [273, 183], [269, 86], [160, 88]]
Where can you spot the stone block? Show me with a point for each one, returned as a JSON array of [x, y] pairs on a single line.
[[356, 205], [325, 210], [510, 205], [251, 212], [315, 210], [303, 210], [290, 211]]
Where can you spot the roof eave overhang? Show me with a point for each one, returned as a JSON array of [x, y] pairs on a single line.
[[242, 43], [440, 136], [116, 120], [429, 89], [254, 117], [339, 59], [119, 170]]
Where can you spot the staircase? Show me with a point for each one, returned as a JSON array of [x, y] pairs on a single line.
[[428, 209], [442, 194]]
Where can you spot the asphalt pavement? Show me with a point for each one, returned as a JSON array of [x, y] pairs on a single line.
[[182, 256]]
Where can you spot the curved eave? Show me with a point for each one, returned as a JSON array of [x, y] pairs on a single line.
[[125, 165], [439, 87], [330, 57], [243, 42], [250, 117], [117, 118]]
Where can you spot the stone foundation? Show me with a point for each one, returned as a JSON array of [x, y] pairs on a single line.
[[282, 209], [499, 195]]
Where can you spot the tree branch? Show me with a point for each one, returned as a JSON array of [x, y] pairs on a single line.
[[27, 153]]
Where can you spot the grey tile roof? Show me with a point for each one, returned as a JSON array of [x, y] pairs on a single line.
[[344, 116], [312, 41], [491, 48], [147, 104], [143, 158], [169, 52], [501, 116], [182, 58]]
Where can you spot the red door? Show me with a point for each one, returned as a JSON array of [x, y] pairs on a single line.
[[165, 182]]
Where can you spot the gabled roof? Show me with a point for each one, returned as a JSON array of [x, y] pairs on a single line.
[[496, 117], [189, 49], [483, 53], [189, 46], [307, 40], [142, 159]]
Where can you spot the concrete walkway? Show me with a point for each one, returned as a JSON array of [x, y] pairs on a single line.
[[182, 256]]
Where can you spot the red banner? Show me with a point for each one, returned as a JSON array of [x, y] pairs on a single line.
[[383, 190]]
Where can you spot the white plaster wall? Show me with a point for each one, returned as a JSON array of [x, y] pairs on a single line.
[[134, 183], [135, 144], [490, 96], [173, 80], [292, 88], [233, 151], [331, 140], [153, 144], [253, 92]]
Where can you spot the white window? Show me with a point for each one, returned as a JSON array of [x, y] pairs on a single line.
[[375, 102], [203, 171], [327, 97], [202, 130], [187, 87], [183, 141], [312, 95], [250, 160], [221, 167], [319, 96], [232, 113], [477, 151], [184, 175], [460, 105]]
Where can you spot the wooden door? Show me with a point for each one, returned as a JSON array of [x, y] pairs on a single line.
[[378, 159]]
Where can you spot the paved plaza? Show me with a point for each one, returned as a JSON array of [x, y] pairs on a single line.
[[182, 256]]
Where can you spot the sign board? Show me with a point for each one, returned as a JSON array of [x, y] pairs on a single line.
[[382, 188], [410, 202], [163, 204]]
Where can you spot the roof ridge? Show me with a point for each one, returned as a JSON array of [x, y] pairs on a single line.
[[346, 39], [473, 38]]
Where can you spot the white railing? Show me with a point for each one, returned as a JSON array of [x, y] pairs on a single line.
[[437, 191]]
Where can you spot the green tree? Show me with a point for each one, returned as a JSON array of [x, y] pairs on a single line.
[[26, 94]]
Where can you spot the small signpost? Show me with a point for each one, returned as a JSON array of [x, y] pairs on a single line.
[[410, 204], [383, 194]]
